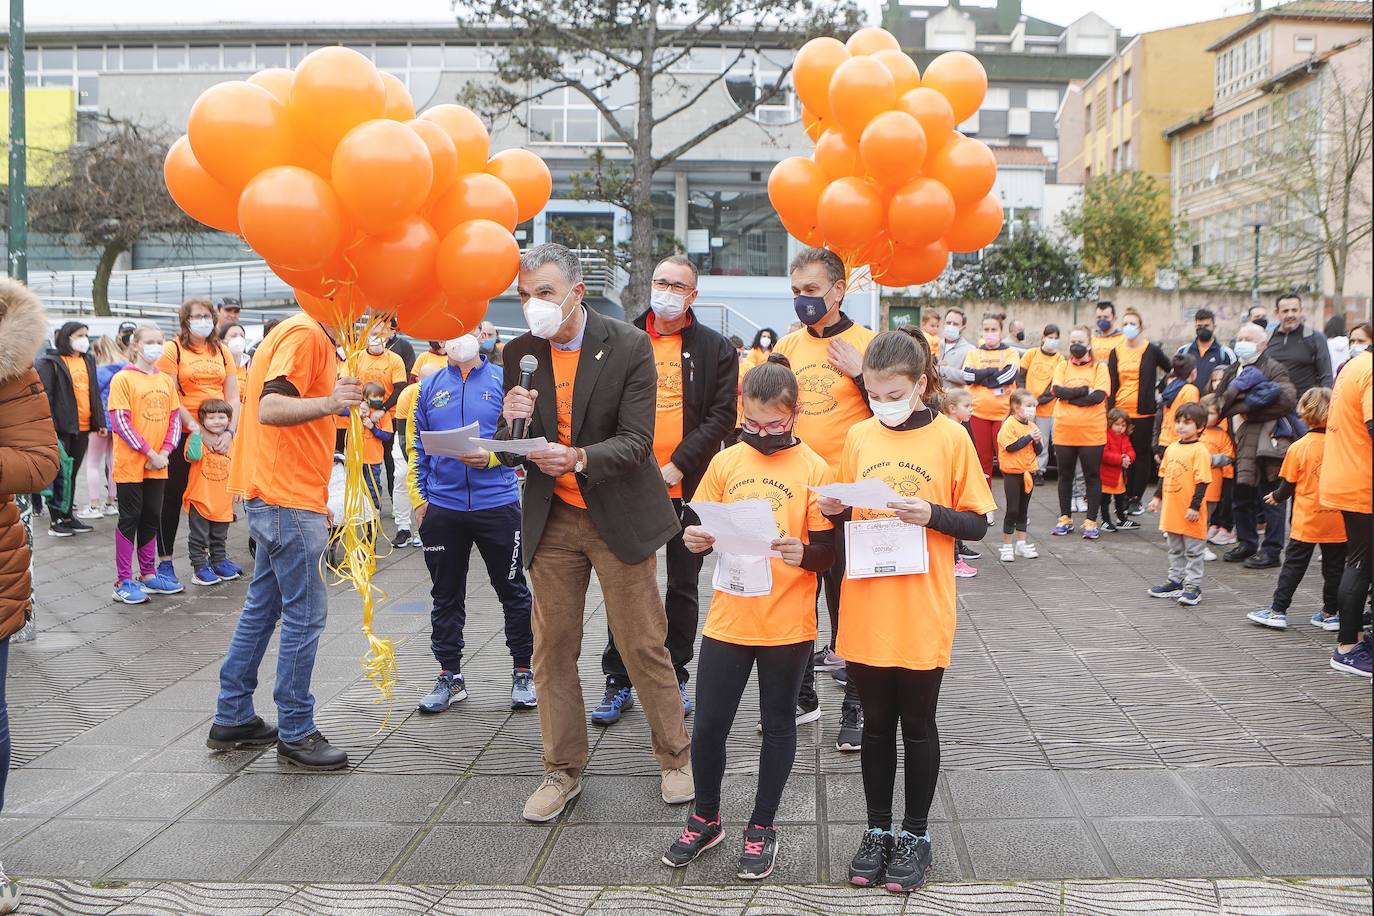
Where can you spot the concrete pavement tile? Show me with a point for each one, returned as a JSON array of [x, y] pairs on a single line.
[[89, 756], [392, 799], [844, 799], [335, 852], [1008, 794], [464, 854], [63, 896], [1260, 790], [1156, 898], [586, 854], [145, 727], [491, 799], [673, 901], [30, 791], [517, 901], [823, 900], [1115, 793], [1020, 899], [1316, 897], [267, 797], [76, 848], [1347, 789], [197, 760], [1020, 850], [200, 852], [237, 899], [1182, 847], [162, 795], [11, 828], [359, 900], [623, 800], [1301, 845]]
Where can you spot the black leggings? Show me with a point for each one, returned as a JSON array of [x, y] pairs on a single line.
[[1142, 469], [1296, 556], [1122, 502], [75, 445], [178, 471], [1355, 579], [1224, 517], [1018, 504], [1089, 457], [889, 695], [722, 673]]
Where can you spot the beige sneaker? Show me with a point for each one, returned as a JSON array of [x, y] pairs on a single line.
[[548, 801], [678, 785]]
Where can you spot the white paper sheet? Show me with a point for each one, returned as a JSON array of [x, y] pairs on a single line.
[[451, 443], [747, 577], [885, 547], [743, 529], [513, 446], [870, 493]]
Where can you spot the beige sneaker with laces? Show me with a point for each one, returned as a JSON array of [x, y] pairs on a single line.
[[548, 801], [678, 785]]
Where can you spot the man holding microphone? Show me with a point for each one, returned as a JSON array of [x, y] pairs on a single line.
[[594, 500]]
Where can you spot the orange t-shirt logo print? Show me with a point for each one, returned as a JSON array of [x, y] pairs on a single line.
[[155, 405]]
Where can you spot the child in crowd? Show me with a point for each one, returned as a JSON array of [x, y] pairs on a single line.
[[100, 485], [1178, 390], [747, 627], [1080, 387], [1184, 475], [209, 508], [401, 450], [896, 631], [1019, 444], [147, 418], [1312, 524], [377, 433], [1223, 452], [1117, 457], [957, 404], [931, 319]]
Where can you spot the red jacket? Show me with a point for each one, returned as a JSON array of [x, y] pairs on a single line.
[[1117, 447]]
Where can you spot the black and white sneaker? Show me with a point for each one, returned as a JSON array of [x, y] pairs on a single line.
[[78, 526], [402, 539], [760, 853], [909, 864], [1108, 526], [697, 837], [60, 528], [869, 865], [967, 552], [851, 736], [1128, 524]]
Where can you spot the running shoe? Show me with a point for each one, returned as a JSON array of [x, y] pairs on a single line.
[[448, 688], [1208, 555], [760, 853], [967, 552], [228, 570], [1107, 525], [1006, 553], [1191, 596], [697, 837], [522, 694], [130, 591], [60, 528], [962, 570], [89, 512], [1135, 508], [167, 572], [160, 584], [687, 706], [1328, 621], [614, 703], [1357, 661], [1128, 524], [1170, 589], [402, 539], [110, 510], [1090, 532], [909, 863], [1268, 617], [869, 865], [805, 715], [1080, 504], [1026, 550], [78, 526], [204, 575], [1223, 538], [1065, 526], [851, 735]]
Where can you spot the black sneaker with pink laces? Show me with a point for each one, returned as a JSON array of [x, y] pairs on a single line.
[[760, 852], [697, 837]]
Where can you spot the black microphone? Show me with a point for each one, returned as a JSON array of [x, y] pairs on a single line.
[[527, 366]]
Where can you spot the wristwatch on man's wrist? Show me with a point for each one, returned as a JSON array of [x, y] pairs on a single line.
[[580, 467]]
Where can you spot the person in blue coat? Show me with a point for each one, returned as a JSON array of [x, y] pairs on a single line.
[[464, 502]]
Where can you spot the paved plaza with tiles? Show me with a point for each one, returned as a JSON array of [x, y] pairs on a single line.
[[1102, 752]]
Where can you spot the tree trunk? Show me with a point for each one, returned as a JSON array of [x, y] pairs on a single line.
[[100, 286]]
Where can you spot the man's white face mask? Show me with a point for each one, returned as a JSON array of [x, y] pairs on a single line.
[[543, 316]]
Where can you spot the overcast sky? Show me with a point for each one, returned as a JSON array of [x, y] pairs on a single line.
[[1131, 16]]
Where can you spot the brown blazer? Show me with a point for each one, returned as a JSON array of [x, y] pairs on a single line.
[[613, 420]]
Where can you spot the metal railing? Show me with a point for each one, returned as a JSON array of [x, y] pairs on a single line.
[[726, 319]]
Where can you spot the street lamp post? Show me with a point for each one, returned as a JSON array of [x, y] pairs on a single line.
[[18, 235], [1255, 282]]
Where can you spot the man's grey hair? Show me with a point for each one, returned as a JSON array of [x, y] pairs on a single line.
[[552, 253], [680, 260], [1250, 330]]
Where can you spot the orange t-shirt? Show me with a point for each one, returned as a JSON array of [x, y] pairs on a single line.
[[831, 402], [1168, 435], [908, 621], [207, 487], [1039, 367], [564, 377], [668, 421], [1346, 472], [1128, 377], [1074, 425], [991, 403], [1102, 347], [199, 373], [288, 466], [150, 400], [373, 449], [405, 404], [934, 341], [787, 614], [81, 390], [1218, 442], [241, 373], [1024, 461], [387, 370], [1312, 522], [1185, 465], [424, 359]]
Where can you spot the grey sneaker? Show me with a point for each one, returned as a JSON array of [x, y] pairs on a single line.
[[522, 694], [448, 688]]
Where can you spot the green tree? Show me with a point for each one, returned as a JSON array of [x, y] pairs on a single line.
[[1124, 226], [626, 59], [1030, 265]]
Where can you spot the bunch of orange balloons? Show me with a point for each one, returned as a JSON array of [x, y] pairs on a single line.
[[354, 201], [891, 184]]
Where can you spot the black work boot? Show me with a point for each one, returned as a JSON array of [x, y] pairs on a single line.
[[311, 753], [253, 733]]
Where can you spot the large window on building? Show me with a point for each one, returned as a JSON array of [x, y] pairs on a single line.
[[1244, 64], [565, 115], [1042, 99], [997, 99], [733, 230], [747, 86]]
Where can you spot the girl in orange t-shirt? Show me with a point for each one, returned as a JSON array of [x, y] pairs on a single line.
[[1223, 451], [1019, 444], [896, 630], [990, 372], [773, 631], [1080, 387], [146, 416]]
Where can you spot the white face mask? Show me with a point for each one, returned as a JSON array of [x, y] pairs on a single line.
[[1357, 349], [893, 413], [1247, 351], [544, 317], [375, 345], [766, 342], [201, 327], [462, 349], [237, 345], [952, 332], [152, 352], [1050, 344], [81, 344], [667, 304], [1028, 413]]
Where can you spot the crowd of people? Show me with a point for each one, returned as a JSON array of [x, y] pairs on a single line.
[[643, 420]]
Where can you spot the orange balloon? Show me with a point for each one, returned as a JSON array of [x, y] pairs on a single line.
[[861, 89], [291, 216], [912, 265], [976, 226], [476, 195], [850, 213], [814, 125], [316, 307], [812, 70], [966, 166], [920, 212], [477, 259], [904, 71], [931, 110], [469, 311], [236, 130], [807, 232], [276, 80], [468, 133], [441, 152], [398, 263], [959, 77], [316, 281], [399, 107], [195, 192], [334, 91], [341, 309], [382, 173], [837, 156], [893, 148], [794, 189], [528, 178], [871, 40]]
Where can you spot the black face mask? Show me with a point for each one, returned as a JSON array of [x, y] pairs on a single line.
[[1078, 351], [1204, 334], [1020, 335], [1262, 322], [769, 444], [376, 403]]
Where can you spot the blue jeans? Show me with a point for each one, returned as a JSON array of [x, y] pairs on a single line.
[[287, 585], [372, 473]]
